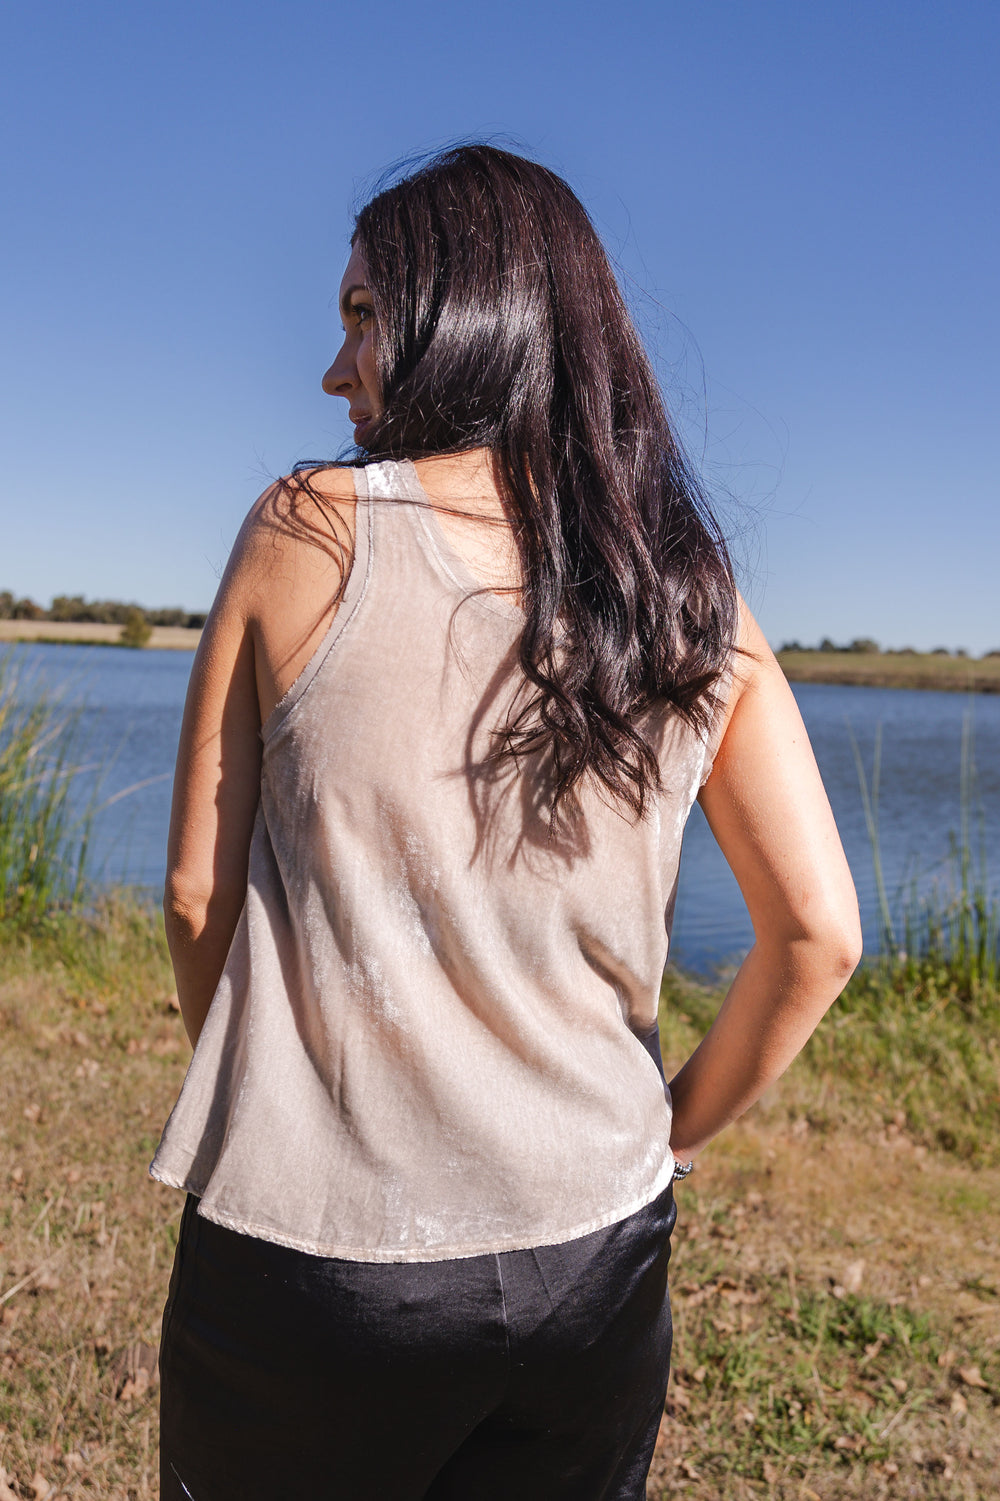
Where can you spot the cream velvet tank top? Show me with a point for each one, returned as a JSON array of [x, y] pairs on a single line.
[[435, 1035]]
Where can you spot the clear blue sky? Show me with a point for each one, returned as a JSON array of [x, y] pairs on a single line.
[[803, 196]]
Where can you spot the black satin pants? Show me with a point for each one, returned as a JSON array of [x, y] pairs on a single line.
[[533, 1375]]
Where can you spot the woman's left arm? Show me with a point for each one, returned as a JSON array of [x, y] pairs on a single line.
[[216, 791], [769, 813]]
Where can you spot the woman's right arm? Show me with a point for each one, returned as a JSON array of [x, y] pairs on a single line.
[[277, 598], [216, 790], [767, 808]]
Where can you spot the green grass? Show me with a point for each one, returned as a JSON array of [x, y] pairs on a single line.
[[788, 1383], [94, 1055], [815, 1387], [837, 1359]]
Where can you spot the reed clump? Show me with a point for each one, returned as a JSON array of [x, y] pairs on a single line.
[[942, 937], [43, 840]]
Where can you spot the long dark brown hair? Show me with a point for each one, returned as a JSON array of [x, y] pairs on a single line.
[[500, 325]]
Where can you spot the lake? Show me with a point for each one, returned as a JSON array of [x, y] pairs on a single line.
[[130, 705]]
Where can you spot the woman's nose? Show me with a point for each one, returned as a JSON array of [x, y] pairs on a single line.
[[341, 378]]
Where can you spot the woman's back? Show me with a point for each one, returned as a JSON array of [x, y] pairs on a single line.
[[302, 535], [431, 1038]]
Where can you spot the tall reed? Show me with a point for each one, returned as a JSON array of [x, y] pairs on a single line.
[[869, 802], [947, 933], [43, 840]]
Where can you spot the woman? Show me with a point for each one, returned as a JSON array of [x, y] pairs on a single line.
[[450, 711]]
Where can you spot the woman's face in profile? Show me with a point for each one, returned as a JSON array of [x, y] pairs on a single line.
[[352, 374]]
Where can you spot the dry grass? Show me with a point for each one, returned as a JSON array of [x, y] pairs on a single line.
[[93, 1058], [835, 1305], [836, 1276], [835, 1273]]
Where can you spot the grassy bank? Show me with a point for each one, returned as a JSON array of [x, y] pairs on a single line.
[[834, 1272], [950, 674]]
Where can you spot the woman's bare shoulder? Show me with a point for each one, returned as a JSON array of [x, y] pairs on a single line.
[[751, 661], [332, 483], [297, 526], [304, 499], [286, 574]]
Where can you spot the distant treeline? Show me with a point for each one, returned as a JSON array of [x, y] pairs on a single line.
[[865, 646], [74, 608]]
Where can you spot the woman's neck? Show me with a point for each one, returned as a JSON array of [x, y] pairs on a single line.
[[464, 491], [464, 482]]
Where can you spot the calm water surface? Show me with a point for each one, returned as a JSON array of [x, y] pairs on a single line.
[[130, 708]]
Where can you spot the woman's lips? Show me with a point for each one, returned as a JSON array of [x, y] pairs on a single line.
[[360, 424]]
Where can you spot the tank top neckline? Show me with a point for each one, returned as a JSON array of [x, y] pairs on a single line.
[[396, 474], [441, 551]]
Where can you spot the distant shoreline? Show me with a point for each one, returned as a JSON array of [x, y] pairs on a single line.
[[89, 633], [920, 670], [923, 670]]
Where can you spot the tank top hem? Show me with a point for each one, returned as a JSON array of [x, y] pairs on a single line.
[[398, 1255]]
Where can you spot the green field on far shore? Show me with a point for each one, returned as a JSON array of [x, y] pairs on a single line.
[[894, 669]]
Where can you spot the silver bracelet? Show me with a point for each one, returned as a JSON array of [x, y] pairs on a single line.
[[681, 1170]]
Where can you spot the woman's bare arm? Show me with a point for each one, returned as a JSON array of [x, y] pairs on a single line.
[[277, 598], [767, 808], [216, 790]]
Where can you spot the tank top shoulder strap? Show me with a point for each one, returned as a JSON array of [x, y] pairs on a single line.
[[385, 479], [354, 591], [409, 538]]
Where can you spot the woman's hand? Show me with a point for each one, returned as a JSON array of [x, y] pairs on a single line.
[[767, 808]]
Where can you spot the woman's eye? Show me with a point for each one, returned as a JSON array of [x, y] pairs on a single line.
[[363, 314]]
